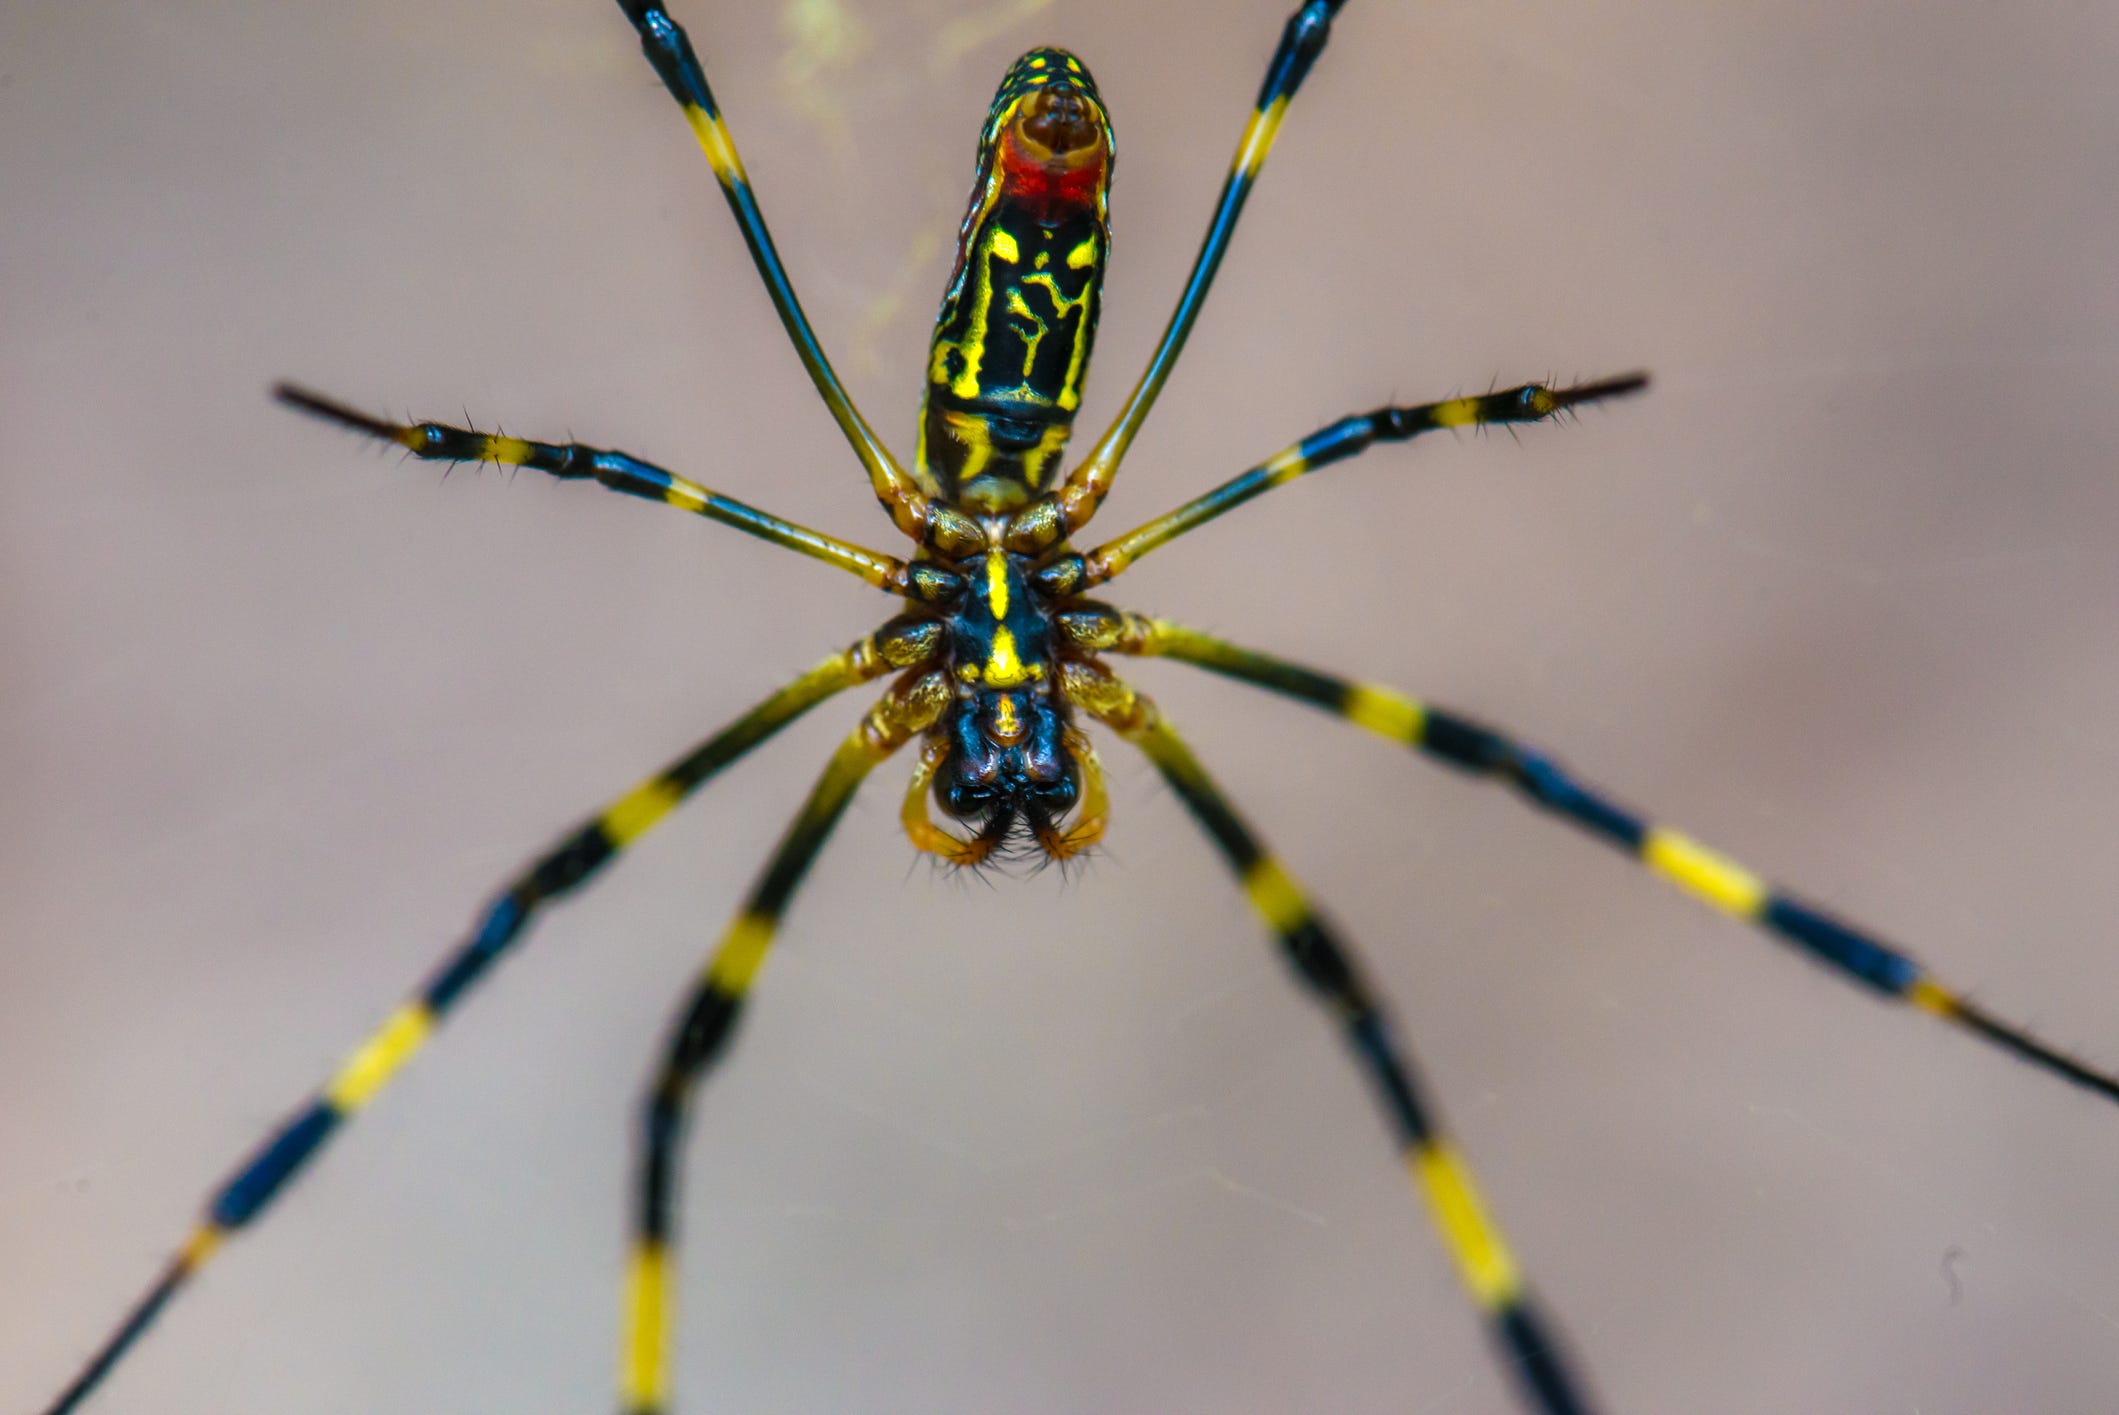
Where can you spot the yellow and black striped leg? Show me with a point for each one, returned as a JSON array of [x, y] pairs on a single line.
[[1332, 973], [912, 504], [264, 1176], [1301, 42], [709, 1016], [1705, 873], [571, 461], [1530, 403]]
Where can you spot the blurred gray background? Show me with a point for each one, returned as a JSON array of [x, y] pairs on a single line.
[[278, 712]]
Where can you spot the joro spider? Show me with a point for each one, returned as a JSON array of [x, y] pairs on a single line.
[[999, 658]]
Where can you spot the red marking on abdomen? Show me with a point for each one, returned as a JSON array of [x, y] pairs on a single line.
[[1052, 191]]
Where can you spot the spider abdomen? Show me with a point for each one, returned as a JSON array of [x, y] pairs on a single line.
[[1011, 344]]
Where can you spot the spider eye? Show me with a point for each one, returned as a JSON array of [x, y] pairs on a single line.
[[1059, 120]]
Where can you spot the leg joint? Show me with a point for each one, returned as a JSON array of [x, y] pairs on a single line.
[[701, 1036], [1321, 963]]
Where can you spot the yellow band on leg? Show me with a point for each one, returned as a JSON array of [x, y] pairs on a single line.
[[720, 151], [630, 816], [378, 1059], [643, 1368], [741, 954], [1385, 713], [1456, 412], [1285, 466], [202, 1243], [1708, 874], [1258, 135], [1275, 895], [1482, 1257], [1932, 997]]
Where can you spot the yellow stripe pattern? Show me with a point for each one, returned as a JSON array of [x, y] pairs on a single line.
[[199, 1245], [997, 583], [1005, 668], [1258, 135], [643, 1362], [1276, 896], [369, 1069], [741, 954], [720, 149], [1385, 713], [1285, 466], [1706, 873], [1482, 1257], [631, 815], [687, 496], [1932, 997]]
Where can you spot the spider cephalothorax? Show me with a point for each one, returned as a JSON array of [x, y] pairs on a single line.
[[997, 651], [1005, 753]]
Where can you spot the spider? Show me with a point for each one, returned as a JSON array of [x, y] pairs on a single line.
[[997, 667]]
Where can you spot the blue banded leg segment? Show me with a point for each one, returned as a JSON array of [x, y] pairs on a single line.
[[708, 1019], [903, 643], [912, 504], [1350, 436], [570, 461], [1693, 867], [1301, 41], [1335, 977]]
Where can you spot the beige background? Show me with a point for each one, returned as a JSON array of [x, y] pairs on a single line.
[[278, 712]]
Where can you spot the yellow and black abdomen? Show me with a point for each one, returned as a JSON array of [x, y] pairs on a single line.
[[1011, 345]]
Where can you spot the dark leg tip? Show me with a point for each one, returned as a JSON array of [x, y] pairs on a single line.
[[318, 406], [1622, 386]]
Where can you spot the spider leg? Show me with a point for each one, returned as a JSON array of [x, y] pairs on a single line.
[[709, 1016], [1325, 965], [571, 461], [911, 503], [1532, 402], [1695, 868], [919, 824], [565, 867], [1301, 41]]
